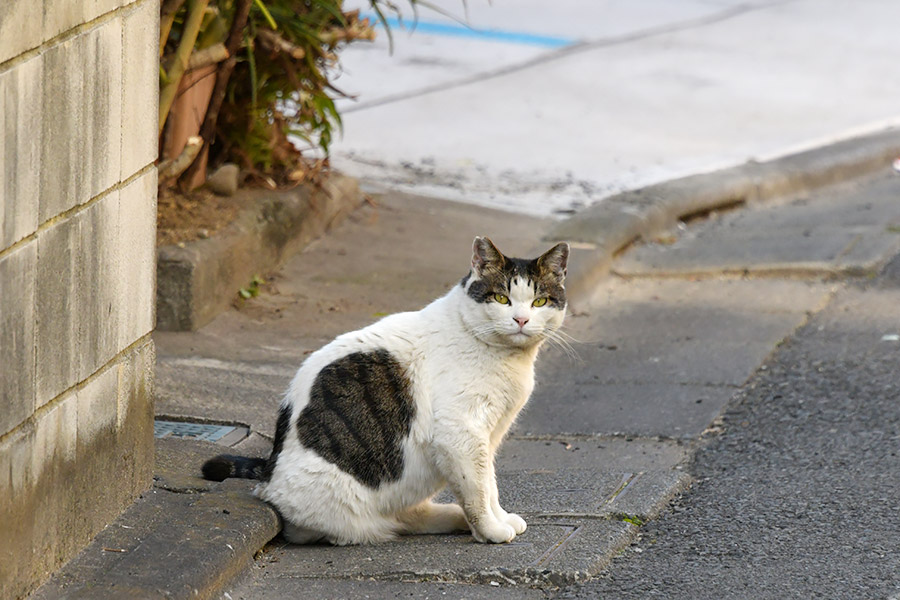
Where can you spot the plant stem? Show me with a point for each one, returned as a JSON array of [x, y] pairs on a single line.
[[172, 168], [196, 9], [223, 74], [166, 19]]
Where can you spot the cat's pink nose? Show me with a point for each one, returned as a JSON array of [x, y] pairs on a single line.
[[521, 321]]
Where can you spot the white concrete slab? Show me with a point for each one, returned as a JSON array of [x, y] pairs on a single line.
[[625, 93]]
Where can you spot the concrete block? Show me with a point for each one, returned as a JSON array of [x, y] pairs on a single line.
[[21, 89], [36, 466], [83, 113], [57, 250], [137, 275], [16, 525], [97, 287], [17, 273], [140, 81], [53, 456], [16, 453], [104, 110], [20, 27], [63, 180], [62, 15], [69, 473], [135, 411], [97, 407]]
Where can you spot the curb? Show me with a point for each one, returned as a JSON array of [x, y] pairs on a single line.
[[197, 280], [600, 232], [185, 538]]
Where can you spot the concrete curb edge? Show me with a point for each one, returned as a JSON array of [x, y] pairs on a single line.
[[600, 232], [199, 279]]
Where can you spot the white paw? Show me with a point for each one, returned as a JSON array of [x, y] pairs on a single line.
[[516, 522], [494, 532]]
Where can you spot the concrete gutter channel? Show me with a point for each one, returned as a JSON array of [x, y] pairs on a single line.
[[188, 538]]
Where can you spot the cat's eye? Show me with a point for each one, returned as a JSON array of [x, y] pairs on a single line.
[[539, 302], [501, 299]]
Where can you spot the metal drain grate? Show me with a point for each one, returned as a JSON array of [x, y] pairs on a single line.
[[226, 435]]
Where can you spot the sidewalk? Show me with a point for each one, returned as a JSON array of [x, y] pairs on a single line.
[[551, 106], [663, 345]]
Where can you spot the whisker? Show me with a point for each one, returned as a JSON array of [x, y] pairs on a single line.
[[559, 341]]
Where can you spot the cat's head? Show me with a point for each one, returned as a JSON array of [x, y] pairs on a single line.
[[514, 301]]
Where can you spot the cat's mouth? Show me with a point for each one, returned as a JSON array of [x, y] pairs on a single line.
[[521, 336]]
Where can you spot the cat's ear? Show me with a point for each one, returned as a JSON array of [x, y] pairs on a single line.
[[485, 255], [555, 260]]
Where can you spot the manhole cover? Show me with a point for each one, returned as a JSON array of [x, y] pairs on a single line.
[[227, 435]]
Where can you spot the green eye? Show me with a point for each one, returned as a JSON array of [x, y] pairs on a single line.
[[501, 298], [539, 302]]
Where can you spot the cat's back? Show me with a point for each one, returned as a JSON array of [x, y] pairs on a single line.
[[401, 341]]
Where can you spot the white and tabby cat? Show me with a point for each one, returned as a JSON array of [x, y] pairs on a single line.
[[380, 420]]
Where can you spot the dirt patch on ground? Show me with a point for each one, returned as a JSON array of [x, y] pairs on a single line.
[[192, 216]]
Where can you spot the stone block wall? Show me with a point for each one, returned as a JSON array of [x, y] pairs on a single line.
[[78, 113]]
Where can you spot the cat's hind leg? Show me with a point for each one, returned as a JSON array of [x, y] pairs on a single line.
[[301, 535], [431, 517]]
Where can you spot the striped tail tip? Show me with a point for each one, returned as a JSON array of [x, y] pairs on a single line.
[[227, 466]]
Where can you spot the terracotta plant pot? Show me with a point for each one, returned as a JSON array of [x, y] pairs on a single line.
[[186, 117]]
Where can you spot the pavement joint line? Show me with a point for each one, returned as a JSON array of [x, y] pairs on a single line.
[[248, 368], [850, 246], [557, 547], [627, 480], [588, 437], [824, 274]]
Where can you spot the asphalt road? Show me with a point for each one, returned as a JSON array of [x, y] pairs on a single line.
[[798, 493]]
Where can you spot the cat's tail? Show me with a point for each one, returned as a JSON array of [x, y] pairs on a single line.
[[224, 466]]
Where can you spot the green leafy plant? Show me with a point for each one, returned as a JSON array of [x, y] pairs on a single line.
[[253, 288], [272, 82]]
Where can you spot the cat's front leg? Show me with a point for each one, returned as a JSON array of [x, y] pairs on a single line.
[[465, 462], [511, 519]]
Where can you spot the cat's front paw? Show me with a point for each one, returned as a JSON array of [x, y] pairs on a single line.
[[516, 522], [494, 532]]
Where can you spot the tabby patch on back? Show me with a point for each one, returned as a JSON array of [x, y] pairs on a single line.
[[380, 420], [359, 412]]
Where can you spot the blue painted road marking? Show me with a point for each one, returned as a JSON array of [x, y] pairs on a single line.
[[496, 35]]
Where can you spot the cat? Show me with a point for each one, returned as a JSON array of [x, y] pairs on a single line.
[[380, 420]]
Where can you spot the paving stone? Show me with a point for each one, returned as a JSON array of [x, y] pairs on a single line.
[[669, 410], [204, 538], [820, 235], [662, 357], [276, 588], [530, 558], [610, 453]]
